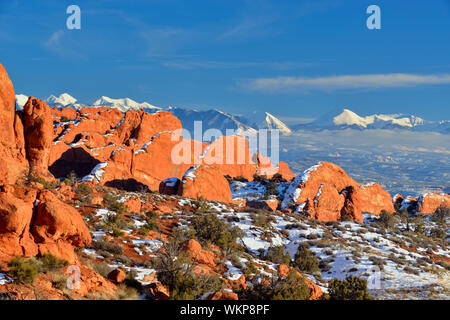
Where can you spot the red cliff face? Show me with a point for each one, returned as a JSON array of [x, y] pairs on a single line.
[[7, 109], [12, 153]]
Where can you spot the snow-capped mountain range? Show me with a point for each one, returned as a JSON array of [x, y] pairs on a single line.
[[217, 119], [348, 119]]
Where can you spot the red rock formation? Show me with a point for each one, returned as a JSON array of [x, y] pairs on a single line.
[[283, 169], [315, 291], [306, 185], [157, 291], [199, 255], [117, 275], [38, 128], [428, 203], [269, 205], [326, 192], [369, 198], [224, 295], [12, 154], [58, 228], [207, 182], [15, 219], [7, 109], [231, 155], [326, 204], [169, 186]]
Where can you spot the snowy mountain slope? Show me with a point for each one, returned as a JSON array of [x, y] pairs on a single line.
[[212, 119], [273, 123], [124, 104]]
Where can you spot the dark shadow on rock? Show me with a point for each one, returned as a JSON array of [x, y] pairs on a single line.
[[128, 185], [74, 159]]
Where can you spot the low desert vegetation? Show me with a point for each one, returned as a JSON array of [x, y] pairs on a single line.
[[276, 287], [306, 261], [174, 270], [210, 228], [351, 288]]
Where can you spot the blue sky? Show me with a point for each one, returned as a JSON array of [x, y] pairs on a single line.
[[295, 59]]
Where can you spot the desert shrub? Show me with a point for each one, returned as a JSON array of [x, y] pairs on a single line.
[[102, 268], [229, 179], [352, 288], [108, 246], [58, 280], [419, 225], [23, 270], [291, 287], [174, 269], [250, 269], [259, 178], [277, 255], [440, 215], [241, 179], [127, 293], [277, 177], [312, 236], [346, 217], [305, 260], [201, 205], [259, 219], [438, 233], [150, 221], [111, 203], [49, 262], [64, 119], [411, 270], [271, 189], [210, 228], [83, 189], [379, 262], [71, 178], [386, 219]]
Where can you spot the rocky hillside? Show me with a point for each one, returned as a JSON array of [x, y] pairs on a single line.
[[96, 203]]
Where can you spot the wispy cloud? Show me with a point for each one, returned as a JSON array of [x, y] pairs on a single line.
[[343, 82], [54, 42], [212, 64]]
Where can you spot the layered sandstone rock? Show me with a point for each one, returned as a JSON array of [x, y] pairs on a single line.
[[207, 182]]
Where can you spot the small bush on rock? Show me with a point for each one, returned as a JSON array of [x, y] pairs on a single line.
[[23, 270]]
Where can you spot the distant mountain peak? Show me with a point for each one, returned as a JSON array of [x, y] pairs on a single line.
[[63, 99], [273, 123]]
